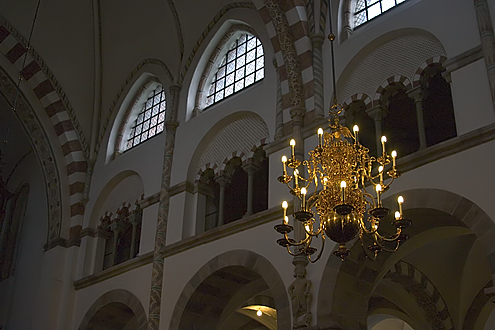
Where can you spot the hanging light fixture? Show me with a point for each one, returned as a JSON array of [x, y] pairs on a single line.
[[346, 185]]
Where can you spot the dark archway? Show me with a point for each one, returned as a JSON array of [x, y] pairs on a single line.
[[115, 310], [449, 263], [224, 285]]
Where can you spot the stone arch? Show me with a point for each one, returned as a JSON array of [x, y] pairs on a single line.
[[358, 97], [120, 296], [58, 109], [362, 277], [394, 80], [440, 59], [251, 261]]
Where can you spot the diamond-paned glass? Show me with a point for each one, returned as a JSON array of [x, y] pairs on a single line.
[[236, 69], [150, 119], [368, 9]]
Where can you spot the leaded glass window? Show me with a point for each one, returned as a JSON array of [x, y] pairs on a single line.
[[242, 66], [369, 9], [150, 120]]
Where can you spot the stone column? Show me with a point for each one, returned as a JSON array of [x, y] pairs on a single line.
[[117, 228], [250, 168], [377, 114], [135, 220], [417, 95], [171, 125], [487, 41], [279, 119], [223, 181], [317, 41]]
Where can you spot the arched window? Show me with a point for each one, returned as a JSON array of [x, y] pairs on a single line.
[[438, 108], [149, 119], [366, 10], [121, 232], [399, 121], [242, 66]]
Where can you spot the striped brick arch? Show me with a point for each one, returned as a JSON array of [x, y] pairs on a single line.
[[432, 60], [360, 277], [58, 109], [358, 97], [397, 79]]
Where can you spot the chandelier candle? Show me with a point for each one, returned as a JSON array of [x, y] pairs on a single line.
[[336, 193]]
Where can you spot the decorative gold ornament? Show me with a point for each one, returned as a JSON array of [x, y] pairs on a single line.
[[345, 201]]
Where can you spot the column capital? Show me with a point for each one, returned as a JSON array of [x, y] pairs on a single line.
[[417, 94], [251, 166], [376, 113], [297, 115], [317, 39], [222, 180]]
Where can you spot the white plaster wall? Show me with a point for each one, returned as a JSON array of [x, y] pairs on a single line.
[[137, 281], [17, 306], [471, 95]]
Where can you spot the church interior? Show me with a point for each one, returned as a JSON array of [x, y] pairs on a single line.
[[228, 164]]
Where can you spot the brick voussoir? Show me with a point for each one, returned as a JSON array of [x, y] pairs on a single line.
[[76, 167], [71, 146], [30, 70], [76, 209], [63, 127], [76, 187], [15, 53], [43, 88], [4, 33], [55, 107]]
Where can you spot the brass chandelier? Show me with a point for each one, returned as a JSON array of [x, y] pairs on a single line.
[[340, 172], [347, 186]]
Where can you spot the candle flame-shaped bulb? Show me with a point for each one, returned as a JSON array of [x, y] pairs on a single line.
[[384, 139], [378, 187], [380, 169], [400, 200], [303, 191], [343, 184], [259, 312], [394, 153], [292, 142], [285, 205], [320, 131], [286, 220], [397, 215], [355, 128], [284, 159]]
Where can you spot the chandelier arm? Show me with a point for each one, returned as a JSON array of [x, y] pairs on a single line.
[[392, 238], [386, 249], [385, 187], [321, 251], [366, 254], [313, 234], [304, 241], [366, 230], [295, 254]]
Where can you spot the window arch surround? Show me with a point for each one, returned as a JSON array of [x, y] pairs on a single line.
[[349, 9], [133, 111], [216, 57]]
